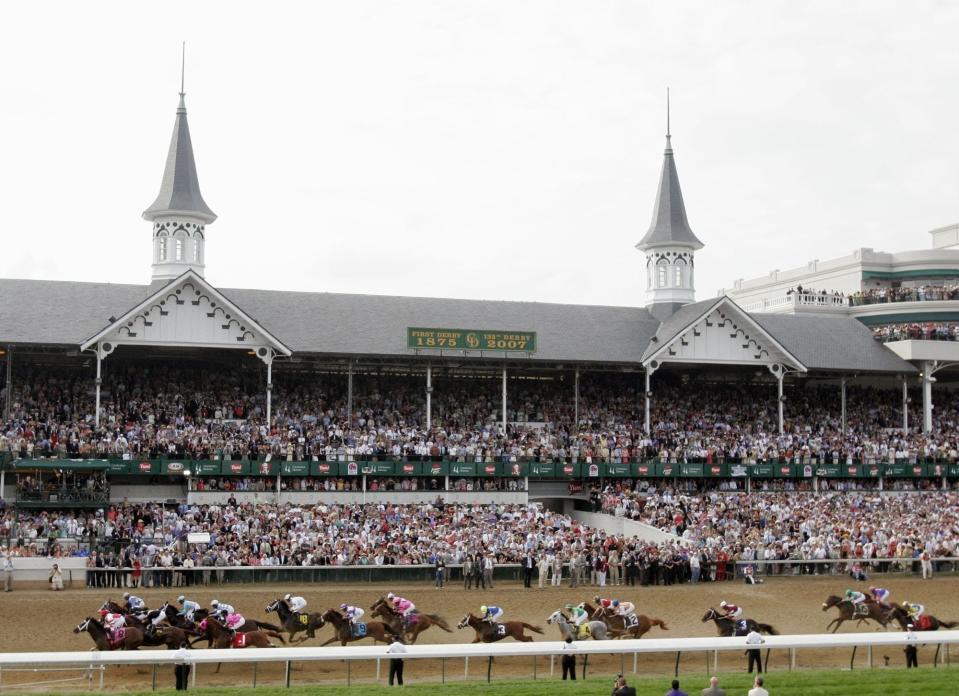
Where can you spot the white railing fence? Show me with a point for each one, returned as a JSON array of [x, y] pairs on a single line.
[[97, 662]]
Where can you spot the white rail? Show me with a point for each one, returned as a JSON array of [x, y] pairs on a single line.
[[373, 652]]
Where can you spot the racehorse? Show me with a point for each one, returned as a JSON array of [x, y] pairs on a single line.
[[132, 638], [225, 638], [926, 622], [345, 633], [594, 629], [294, 622], [730, 627], [617, 624], [412, 629], [490, 633], [249, 625], [169, 635], [847, 612]]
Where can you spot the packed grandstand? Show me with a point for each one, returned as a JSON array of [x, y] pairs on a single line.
[[741, 437]]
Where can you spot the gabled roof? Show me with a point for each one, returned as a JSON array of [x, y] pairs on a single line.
[[669, 226], [180, 188], [215, 304]]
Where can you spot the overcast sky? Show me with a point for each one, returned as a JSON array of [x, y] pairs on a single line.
[[487, 149]]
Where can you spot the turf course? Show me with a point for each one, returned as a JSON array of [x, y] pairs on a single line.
[[877, 682]]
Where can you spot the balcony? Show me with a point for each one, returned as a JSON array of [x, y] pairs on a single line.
[[795, 302]]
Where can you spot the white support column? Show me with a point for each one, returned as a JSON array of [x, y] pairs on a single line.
[[349, 397], [905, 405], [647, 394], [779, 399], [927, 380], [99, 381], [576, 400], [843, 390], [504, 399], [429, 397], [269, 392]]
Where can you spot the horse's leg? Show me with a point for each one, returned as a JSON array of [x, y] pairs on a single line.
[[839, 623], [524, 638], [331, 640]]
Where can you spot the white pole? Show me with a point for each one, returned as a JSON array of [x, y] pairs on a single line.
[[646, 396], [269, 393], [905, 405], [927, 381], [779, 400], [504, 399], [96, 415], [429, 398], [843, 390], [576, 400]]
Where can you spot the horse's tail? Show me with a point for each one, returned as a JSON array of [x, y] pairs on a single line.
[[441, 622], [268, 627], [534, 629], [660, 623], [766, 628], [948, 624]]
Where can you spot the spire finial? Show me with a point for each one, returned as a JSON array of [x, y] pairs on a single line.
[[183, 70], [669, 145]]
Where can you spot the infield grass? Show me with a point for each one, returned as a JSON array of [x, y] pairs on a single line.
[[942, 681]]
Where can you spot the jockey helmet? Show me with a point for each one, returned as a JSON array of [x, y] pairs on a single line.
[[215, 603], [597, 599], [849, 593], [605, 602], [615, 602], [288, 597], [391, 596], [126, 595], [483, 609], [181, 599], [343, 606], [723, 604], [872, 589]]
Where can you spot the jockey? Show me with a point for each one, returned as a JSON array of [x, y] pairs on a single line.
[[625, 609], [856, 598], [296, 604], [606, 603], [134, 603], [403, 606], [222, 610], [880, 594], [112, 621], [914, 610], [577, 615], [353, 614], [732, 611], [189, 608], [491, 614]]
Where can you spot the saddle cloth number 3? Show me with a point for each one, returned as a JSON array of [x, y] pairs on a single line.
[[501, 629]]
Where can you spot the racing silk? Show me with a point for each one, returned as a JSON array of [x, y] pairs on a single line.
[[578, 615], [114, 621], [857, 598], [403, 606], [733, 611], [354, 614], [234, 621], [189, 609], [881, 594], [627, 608], [605, 603], [297, 604], [916, 610], [225, 609], [493, 613], [136, 604]]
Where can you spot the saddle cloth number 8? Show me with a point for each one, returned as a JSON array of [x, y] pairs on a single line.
[[304, 619]]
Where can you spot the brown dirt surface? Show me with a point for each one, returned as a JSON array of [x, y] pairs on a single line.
[[38, 619]]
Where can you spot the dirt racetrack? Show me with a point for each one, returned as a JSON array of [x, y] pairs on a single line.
[[38, 619]]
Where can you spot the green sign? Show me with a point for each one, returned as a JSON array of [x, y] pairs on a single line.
[[470, 339]]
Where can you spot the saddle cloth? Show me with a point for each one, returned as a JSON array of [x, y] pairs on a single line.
[[584, 632], [631, 620], [359, 630], [239, 641], [118, 634]]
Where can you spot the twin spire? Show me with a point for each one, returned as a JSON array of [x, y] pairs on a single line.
[[180, 188], [669, 226]]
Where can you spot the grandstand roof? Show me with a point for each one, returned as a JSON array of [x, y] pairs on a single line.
[[70, 313], [180, 187]]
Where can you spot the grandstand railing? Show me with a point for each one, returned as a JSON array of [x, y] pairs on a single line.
[[98, 661]]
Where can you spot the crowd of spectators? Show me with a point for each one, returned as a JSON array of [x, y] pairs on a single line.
[[919, 293], [206, 414], [925, 331], [708, 534]]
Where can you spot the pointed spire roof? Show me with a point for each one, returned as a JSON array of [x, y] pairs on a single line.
[[669, 226], [180, 188]]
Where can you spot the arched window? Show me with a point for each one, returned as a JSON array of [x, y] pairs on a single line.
[[179, 249], [678, 273], [661, 274], [162, 248], [196, 249]]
